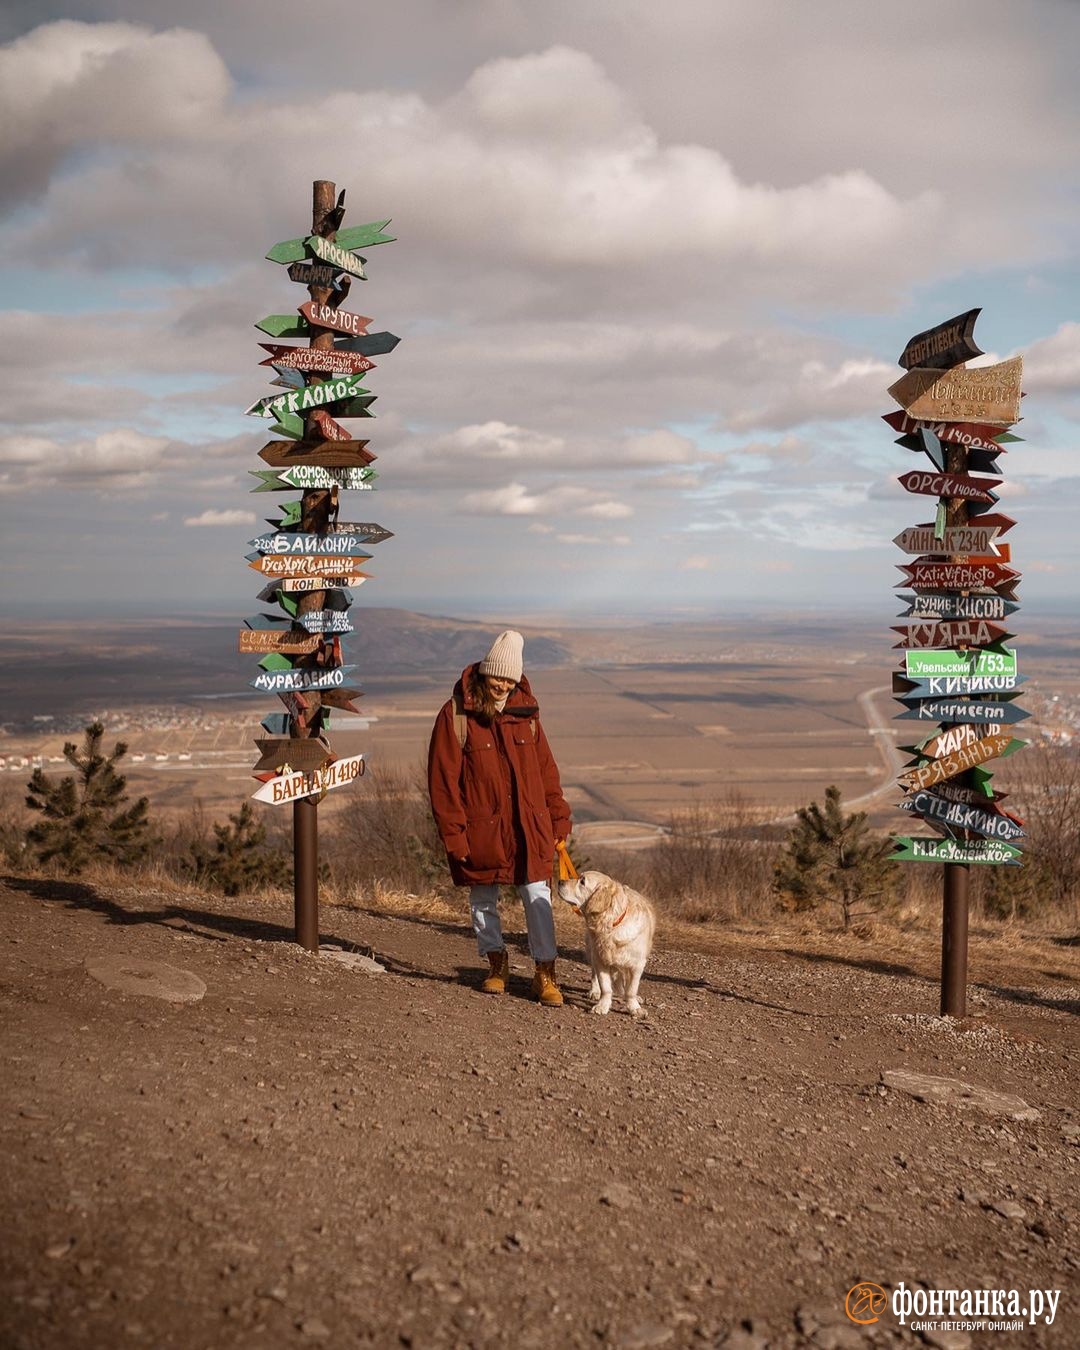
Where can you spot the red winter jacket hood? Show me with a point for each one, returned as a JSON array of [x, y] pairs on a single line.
[[496, 799]]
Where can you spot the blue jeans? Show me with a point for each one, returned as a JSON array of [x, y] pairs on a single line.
[[539, 920]]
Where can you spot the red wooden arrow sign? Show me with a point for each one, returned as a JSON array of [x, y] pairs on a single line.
[[929, 483], [327, 427], [340, 320], [326, 454], [315, 358], [342, 699], [948, 633], [945, 576], [972, 434]]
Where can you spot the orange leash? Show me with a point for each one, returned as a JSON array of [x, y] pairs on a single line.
[[567, 870]]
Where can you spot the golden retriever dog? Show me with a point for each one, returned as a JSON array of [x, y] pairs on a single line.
[[619, 927]]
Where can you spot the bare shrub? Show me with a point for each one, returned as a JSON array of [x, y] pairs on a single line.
[[386, 836], [1044, 787], [14, 822], [712, 863]]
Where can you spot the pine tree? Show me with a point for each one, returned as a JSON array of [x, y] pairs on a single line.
[[240, 859], [830, 857], [86, 814]]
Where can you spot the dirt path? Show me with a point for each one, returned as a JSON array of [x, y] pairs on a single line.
[[313, 1155]]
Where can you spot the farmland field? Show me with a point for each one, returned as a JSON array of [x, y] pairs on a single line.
[[643, 721]]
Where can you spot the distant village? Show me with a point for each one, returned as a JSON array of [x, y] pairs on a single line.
[[1055, 717]]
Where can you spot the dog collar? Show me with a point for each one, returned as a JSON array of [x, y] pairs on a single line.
[[622, 916]]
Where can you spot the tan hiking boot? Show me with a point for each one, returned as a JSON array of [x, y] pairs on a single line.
[[544, 986], [499, 978]]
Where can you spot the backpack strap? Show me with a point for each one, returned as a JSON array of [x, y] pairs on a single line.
[[461, 722]]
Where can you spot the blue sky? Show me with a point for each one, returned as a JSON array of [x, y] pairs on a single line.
[[654, 269]]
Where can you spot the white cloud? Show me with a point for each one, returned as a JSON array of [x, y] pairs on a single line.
[[1053, 363], [608, 510], [121, 460], [212, 517]]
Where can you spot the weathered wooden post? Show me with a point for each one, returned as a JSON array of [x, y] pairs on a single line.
[[311, 557], [957, 670]]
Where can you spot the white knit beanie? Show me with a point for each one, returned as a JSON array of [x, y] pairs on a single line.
[[504, 659]]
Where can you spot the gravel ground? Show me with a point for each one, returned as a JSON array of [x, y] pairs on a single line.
[[313, 1154]]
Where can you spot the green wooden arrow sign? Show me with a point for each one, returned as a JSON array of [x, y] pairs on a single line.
[[328, 252], [356, 407], [285, 326], [356, 236], [311, 396], [922, 665], [955, 851], [313, 476], [290, 425]]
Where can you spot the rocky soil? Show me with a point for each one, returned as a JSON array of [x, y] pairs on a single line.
[[313, 1154]]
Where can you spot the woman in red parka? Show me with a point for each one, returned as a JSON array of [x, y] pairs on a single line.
[[496, 798]]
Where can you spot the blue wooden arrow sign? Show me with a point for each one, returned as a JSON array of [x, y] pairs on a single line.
[[289, 681], [324, 621], [956, 710], [370, 344], [330, 545], [956, 816]]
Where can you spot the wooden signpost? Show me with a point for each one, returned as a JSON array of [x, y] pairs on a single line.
[[309, 557], [957, 673]]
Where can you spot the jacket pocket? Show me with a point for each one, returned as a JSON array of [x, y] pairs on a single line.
[[485, 842]]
